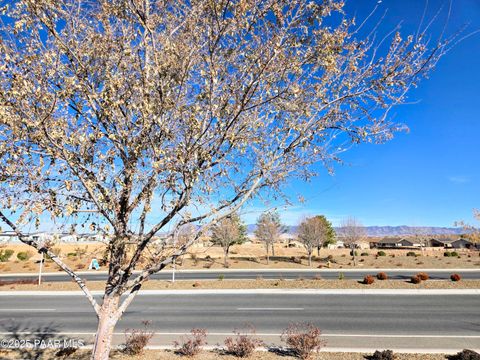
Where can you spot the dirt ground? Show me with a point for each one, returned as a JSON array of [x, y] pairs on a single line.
[[218, 355], [301, 283], [252, 256]]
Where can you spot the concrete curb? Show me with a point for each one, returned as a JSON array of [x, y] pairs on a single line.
[[405, 292]]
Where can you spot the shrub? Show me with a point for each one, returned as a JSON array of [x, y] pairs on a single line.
[[455, 277], [381, 253], [5, 255], [194, 258], [24, 255], [382, 276], [221, 277], [136, 340], [341, 276], [447, 254], [72, 254], [465, 355], [191, 345], [415, 280], [368, 280], [411, 253], [382, 355], [244, 343], [66, 352], [454, 254], [303, 339], [423, 276], [364, 254]]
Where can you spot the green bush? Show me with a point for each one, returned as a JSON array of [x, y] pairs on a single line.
[[24, 255], [447, 254], [381, 253], [364, 254], [411, 253], [5, 255], [454, 253]]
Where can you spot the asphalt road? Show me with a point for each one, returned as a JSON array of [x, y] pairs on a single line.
[[266, 274], [347, 321]]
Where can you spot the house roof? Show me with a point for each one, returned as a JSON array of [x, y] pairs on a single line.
[[392, 240]]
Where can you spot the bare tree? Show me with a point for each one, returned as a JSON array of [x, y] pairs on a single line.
[[310, 231], [269, 229], [227, 232], [472, 232], [352, 232], [134, 118]]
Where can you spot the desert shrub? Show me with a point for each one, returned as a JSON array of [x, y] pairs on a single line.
[[411, 253], [66, 352], [465, 355], [303, 339], [415, 280], [368, 280], [191, 345], [423, 276], [24, 255], [364, 254], [244, 343], [72, 254], [137, 339], [296, 260], [381, 253], [194, 258], [382, 276], [330, 257], [341, 276], [5, 255], [221, 277], [447, 254], [455, 277], [382, 355], [454, 253]]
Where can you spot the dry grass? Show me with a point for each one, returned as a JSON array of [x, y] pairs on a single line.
[[252, 256], [217, 355], [258, 284]]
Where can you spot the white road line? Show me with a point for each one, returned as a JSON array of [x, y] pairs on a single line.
[[27, 310], [270, 309]]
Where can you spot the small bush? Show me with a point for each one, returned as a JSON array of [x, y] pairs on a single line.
[[382, 276], [381, 253], [465, 355], [368, 280], [194, 258], [341, 276], [72, 254], [221, 277], [415, 280], [136, 340], [382, 355], [364, 254], [423, 276], [24, 255], [411, 253], [455, 277], [303, 339], [244, 343], [5, 255], [447, 254], [191, 345], [66, 352], [454, 254], [296, 260]]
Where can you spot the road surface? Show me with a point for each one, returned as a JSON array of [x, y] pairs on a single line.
[[446, 322], [266, 274]]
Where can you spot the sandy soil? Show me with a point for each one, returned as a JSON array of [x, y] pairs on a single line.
[[252, 256], [216, 355], [301, 283]]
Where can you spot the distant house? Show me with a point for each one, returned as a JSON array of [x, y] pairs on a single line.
[[451, 243], [396, 242]]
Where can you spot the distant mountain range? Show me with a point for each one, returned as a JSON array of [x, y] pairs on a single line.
[[402, 230]]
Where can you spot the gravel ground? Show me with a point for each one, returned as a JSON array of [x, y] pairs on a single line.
[[214, 355], [259, 284]]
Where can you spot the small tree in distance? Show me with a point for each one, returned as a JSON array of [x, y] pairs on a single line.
[[327, 233], [311, 232], [352, 232], [227, 232], [268, 230]]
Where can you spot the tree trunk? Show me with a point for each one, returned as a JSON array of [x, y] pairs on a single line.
[[268, 253], [225, 257], [353, 254], [310, 258], [108, 318], [318, 250], [273, 249]]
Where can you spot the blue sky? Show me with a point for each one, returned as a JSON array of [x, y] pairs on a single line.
[[429, 176]]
